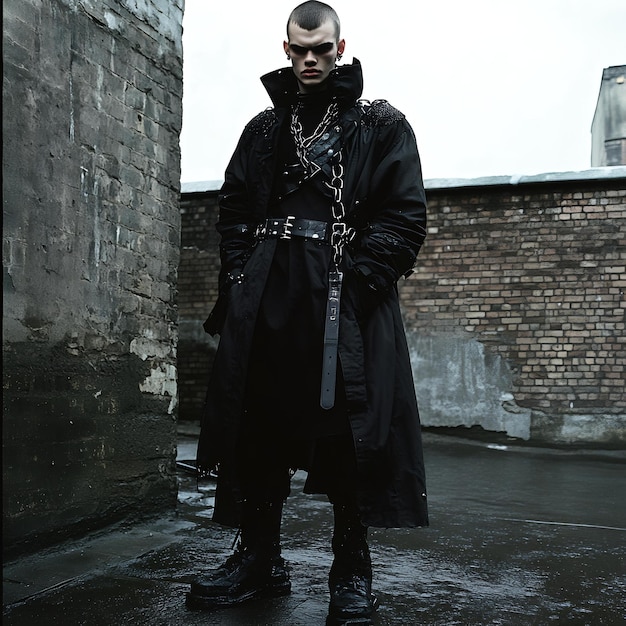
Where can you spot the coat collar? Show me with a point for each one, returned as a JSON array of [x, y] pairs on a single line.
[[345, 82]]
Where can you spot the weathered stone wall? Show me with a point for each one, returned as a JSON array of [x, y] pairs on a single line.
[[91, 119], [515, 313]]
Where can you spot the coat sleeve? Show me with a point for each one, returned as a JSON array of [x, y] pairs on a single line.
[[236, 224], [395, 229]]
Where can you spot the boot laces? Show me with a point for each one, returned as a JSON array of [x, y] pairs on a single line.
[[236, 559], [355, 582]]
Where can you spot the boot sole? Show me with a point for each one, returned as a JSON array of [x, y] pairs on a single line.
[[363, 620], [349, 621], [194, 601]]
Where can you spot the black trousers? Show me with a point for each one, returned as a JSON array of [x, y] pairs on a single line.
[[268, 460]]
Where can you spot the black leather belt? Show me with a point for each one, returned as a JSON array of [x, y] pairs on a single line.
[[288, 227]]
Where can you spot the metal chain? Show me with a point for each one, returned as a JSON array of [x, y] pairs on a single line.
[[341, 234], [304, 143]]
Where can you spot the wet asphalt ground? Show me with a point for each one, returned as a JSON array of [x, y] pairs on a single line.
[[518, 535]]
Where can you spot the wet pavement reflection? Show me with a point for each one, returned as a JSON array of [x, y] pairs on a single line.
[[518, 535]]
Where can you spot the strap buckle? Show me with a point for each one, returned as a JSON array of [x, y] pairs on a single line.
[[287, 227]]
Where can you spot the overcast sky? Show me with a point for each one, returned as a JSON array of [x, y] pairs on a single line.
[[490, 87]]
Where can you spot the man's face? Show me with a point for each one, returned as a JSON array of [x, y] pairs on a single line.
[[313, 54]]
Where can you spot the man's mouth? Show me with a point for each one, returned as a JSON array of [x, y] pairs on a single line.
[[310, 73]]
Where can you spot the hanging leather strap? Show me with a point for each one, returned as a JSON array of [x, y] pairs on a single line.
[[331, 341], [340, 235]]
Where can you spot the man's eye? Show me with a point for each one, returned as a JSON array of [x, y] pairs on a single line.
[[323, 48]]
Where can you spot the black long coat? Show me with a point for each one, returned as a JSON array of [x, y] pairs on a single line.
[[385, 202]]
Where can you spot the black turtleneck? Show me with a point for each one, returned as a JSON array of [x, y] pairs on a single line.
[[312, 108]]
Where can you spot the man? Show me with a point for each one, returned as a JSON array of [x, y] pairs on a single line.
[[321, 212]]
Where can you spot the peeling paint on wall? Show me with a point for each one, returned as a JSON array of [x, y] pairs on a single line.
[[459, 383], [148, 347], [162, 381]]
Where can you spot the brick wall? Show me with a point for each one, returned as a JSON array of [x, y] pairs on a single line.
[[91, 119], [534, 275], [198, 275], [515, 313]]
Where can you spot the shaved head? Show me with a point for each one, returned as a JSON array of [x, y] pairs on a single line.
[[312, 14]]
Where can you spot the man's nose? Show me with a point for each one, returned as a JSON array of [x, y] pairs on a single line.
[[310, 58]]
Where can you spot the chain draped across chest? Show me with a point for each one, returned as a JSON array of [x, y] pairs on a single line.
[[304, 144], [323, 144]]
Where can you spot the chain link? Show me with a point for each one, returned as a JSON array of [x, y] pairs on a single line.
[[341, 233], [304, 143]]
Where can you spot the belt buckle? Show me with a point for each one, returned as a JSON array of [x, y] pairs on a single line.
[[287, 227], [261, 230]]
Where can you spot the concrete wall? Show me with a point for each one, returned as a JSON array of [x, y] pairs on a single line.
[[608, 129], [515, 313], [91, 120]]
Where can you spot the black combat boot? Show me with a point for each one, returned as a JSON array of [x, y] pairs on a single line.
[[351, 600], [255, 570]]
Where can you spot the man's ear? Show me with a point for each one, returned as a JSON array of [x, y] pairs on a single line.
[[286, 47], [341, 46]]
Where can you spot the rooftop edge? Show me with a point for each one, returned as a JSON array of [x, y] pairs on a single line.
[[595, 173]]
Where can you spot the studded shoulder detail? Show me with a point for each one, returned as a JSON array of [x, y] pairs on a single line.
[[380, 113], [261, 123]]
